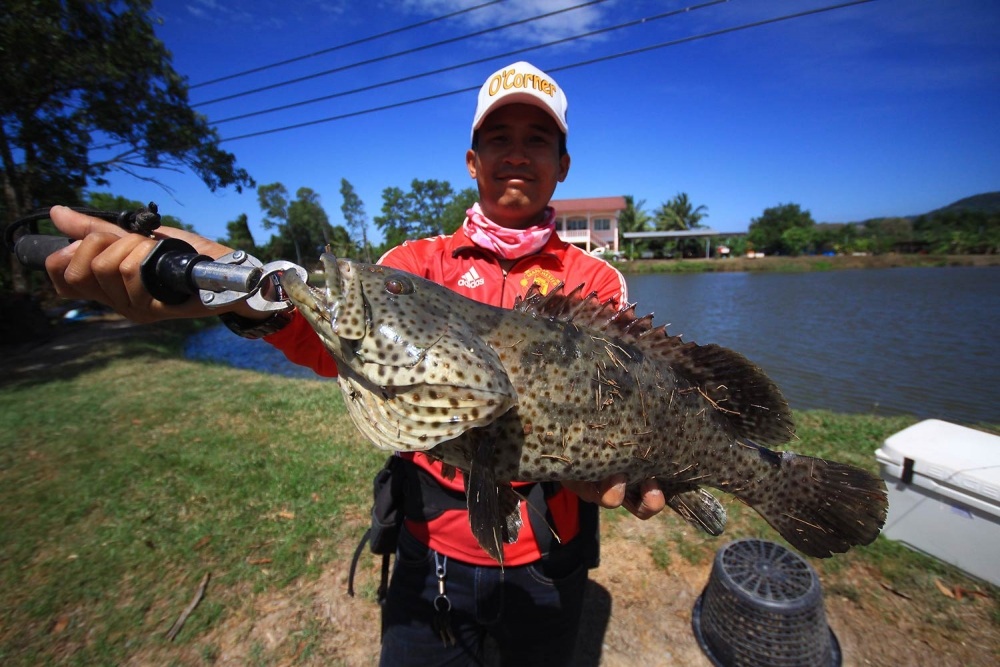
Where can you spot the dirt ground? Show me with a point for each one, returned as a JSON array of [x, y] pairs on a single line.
[[636, 613]]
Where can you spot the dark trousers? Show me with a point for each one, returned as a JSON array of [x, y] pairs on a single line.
[[531, 612]]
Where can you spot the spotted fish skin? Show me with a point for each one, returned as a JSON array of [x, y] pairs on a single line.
[[563, 387]]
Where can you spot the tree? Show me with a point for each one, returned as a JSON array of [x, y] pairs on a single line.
[[395, 222], [454, 210], [428, 202], [239, 235], [634, 219], [418, 213], [89, 89], [310, 228], [273, 200], [678, 214], [105, 201], [766, 232], [302, 224], [353, 210], [799, 240]]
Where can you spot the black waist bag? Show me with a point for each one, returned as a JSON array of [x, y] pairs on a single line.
[[387, 520]]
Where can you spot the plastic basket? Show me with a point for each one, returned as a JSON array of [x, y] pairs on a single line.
[[763, 605]]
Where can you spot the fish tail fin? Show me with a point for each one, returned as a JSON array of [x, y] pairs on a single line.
[[821, 507]]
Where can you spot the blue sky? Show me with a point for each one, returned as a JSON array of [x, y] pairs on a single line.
[[885, 108]]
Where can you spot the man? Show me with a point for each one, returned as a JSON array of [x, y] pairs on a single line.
[[446, 594]]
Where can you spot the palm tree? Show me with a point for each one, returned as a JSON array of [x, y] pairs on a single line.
[[679, 214]]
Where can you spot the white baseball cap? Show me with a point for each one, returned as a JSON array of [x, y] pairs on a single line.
[[525, 84]]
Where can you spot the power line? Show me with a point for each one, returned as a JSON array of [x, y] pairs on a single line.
[[583, 63], [338, 47], [383, 84], [450, 40]]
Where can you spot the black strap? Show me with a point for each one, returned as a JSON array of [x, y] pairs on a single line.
[[354, 561], [383, 587]]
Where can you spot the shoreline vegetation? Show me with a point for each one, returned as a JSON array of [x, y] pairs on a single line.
[[129, 479], [803, 263]]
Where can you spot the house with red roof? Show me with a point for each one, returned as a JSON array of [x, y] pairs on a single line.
[[590, 222]]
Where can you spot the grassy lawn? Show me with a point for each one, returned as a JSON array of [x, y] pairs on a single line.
[[123, 484], [130, 473]]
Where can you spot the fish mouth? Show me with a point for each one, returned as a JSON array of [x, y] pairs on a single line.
[[339, 310]]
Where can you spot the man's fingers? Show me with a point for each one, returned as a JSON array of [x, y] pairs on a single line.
[[608, 493], [646, 500], [70, 268], [116, 270], [78, 225]]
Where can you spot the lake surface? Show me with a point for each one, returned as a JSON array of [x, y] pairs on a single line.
[[924, 342], [914, 341]]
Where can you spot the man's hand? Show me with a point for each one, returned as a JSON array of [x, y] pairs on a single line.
[[103, 265], [613, 492]]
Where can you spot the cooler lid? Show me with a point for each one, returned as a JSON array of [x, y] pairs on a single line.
[[958, 456]]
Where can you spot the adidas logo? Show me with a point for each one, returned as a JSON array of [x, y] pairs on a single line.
[[470, 278]]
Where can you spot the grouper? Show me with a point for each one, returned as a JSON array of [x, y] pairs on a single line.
[[565, 387]]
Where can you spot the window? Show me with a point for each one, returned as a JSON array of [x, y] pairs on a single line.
[[602, 224], [576, 225]]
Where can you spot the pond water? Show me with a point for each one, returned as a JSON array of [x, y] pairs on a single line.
[[920, 341], [219, 344]]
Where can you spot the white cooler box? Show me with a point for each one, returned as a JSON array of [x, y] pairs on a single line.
[[944, 494]]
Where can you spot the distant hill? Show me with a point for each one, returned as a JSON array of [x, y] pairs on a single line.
[[988, 202], [984, 203]]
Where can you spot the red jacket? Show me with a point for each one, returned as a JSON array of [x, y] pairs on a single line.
[[455, 262]]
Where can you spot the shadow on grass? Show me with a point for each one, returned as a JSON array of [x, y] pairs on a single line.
[[74, 349]]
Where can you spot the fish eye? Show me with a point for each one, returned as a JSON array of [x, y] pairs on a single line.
[[398, 286]]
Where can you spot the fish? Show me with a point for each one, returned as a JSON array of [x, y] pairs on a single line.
[[567, 387]]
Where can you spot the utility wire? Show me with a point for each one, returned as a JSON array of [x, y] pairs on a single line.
[[383, 84], [583, 63], [389, 56], [338, 47]]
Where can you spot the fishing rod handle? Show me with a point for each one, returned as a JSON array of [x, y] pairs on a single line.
[[32, 249]]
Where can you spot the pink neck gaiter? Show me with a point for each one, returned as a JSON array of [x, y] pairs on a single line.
[[505, 242]]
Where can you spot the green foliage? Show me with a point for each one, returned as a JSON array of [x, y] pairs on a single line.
[[633, 218], [239, 235], [106, 201], [957, 232], [768, 232], [424, 210], [454, 210], [302, 224], [353, 210], [75, 72], [679, 214]]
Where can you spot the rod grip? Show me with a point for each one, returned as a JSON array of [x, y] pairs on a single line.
[[32, 249]]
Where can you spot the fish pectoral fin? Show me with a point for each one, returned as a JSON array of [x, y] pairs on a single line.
[[494, 510], [698, 507], [510, 511]]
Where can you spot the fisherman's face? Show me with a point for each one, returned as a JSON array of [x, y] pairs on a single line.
[[517, 165]]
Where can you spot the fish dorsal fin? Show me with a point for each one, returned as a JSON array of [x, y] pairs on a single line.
[[574, 306], [729, 382]]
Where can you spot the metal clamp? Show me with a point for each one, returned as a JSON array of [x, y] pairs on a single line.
[[239, 276]]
